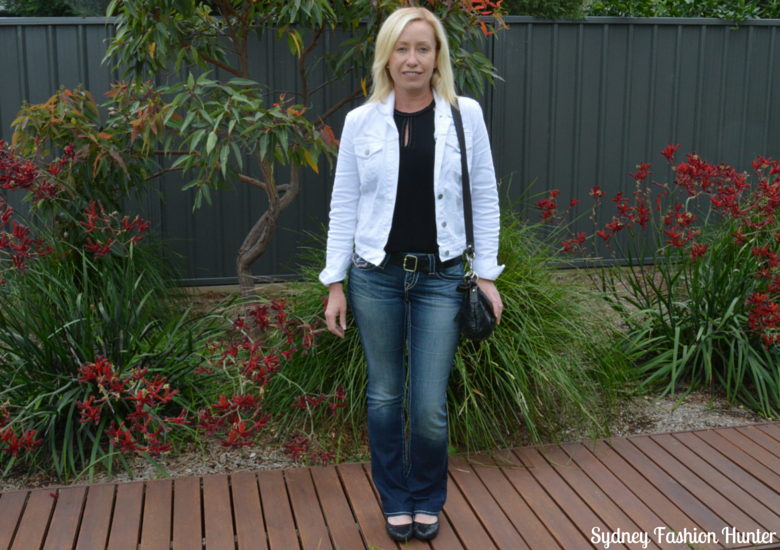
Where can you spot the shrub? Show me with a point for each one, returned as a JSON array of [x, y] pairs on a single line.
[[732, 11], [552, 364], [547, 9], [704, 308], [85, 325]]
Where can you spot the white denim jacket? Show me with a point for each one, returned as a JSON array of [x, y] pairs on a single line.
[[364, 190]]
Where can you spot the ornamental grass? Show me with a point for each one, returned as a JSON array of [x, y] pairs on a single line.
[[700, 291]]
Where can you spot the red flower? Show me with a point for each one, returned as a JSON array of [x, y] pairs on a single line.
[[740, 240], [89, 413], [597, 193], [698, 251], [179, 420], [677, 238], [239, 324], [98, 248], [614, 226], [669, 151], [642, 172]]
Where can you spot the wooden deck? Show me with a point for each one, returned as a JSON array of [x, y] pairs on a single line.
[[544, 498]]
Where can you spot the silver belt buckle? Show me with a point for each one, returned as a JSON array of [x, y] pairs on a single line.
[[415, 263]]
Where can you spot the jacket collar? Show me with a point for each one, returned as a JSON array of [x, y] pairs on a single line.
[[443, 111], [387, 106]]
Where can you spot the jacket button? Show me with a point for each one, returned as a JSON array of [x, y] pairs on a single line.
[[444, 224], [441, 196], [367, 151], [446, 252]]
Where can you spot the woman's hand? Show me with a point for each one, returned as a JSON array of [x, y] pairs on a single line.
[[336, 312], [489, 288]]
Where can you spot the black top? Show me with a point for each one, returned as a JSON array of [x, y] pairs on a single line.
[[414, 217]]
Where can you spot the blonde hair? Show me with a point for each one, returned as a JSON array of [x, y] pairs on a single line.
[[442, 79]]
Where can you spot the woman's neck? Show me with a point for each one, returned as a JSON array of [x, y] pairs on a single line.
[[406, 103]]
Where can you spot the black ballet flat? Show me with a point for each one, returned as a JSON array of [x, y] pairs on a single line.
[[399, 532], [426, 531]]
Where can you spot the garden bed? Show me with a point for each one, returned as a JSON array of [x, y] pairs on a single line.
[[642, 416]]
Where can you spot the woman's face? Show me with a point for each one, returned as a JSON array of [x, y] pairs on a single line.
[[413, 59]]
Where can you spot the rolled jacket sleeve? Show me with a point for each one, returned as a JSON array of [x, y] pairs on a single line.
[[484, 201], [343, 210]]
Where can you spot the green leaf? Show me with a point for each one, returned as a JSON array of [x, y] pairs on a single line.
[[223, 158], [212, 141], [237, 154], [187, 121], [196, 139], [242, 82]]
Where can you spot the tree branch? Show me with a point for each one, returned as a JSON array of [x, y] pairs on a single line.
[[252, 181], [302, 64], [340, 104], [268, 176], [292, 188], [161, 172], [211, 60], [175, 153], [225, 7], [331, 81]]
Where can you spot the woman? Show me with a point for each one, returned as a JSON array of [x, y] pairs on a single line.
[[397, 197]]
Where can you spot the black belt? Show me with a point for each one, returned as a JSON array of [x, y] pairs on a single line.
[[413, 263]]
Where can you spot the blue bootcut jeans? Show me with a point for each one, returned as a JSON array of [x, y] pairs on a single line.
[[407, 325]]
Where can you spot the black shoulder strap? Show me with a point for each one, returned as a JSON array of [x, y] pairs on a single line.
[[467, 212]]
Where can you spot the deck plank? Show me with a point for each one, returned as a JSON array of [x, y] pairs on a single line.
[[519, 513], [446, 539], [771, 430], [126, 524], [618, 491], [187, 527], [96, 518], [671, 516], [35, 520], [461, 517], [759, 436], [218, 513], [541, 498], [752, 448], [752, 486], [365, 506], [701, 487], [248, 512], [11, 506], [671, 488], [65, 521], [278, 515], [725, 485], [343, 527], [738, 456], [568, 500], [501, 530], [307, 511], [557, 523], [598, 501], [157, 515]]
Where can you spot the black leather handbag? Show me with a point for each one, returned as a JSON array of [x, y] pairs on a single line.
[[476, 317]]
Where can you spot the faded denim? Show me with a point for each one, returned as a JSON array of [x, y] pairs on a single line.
[[409, 333]]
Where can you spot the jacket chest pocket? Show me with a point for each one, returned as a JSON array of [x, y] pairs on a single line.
[[369, 158], [452, 150]]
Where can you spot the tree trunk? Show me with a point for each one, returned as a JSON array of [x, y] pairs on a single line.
[[260, 236]]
